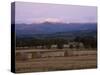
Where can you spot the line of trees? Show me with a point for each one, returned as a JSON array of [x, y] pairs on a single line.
[[22, 42], [89, 42]]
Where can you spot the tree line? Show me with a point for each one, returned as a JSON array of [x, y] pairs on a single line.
[[89, 42]]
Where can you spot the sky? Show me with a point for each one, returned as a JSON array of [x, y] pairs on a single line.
[[27, 12]]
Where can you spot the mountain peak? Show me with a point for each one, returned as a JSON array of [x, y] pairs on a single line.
[[48, 20]]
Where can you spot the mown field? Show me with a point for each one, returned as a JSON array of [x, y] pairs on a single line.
[[71, 62]]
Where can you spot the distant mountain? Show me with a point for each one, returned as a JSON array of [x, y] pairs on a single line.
[[50, 29]]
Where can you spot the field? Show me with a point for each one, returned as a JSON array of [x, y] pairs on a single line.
[[79, 60]]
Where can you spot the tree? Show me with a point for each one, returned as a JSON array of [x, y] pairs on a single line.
[[71, 46]]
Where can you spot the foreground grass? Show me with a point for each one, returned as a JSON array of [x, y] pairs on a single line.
[[57, 63]]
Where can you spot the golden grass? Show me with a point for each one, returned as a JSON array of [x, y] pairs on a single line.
[[57, 63]]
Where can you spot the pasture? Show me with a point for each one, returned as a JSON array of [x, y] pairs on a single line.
[[75, 60]]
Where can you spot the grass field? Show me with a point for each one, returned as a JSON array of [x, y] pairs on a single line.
[[58, 63]]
